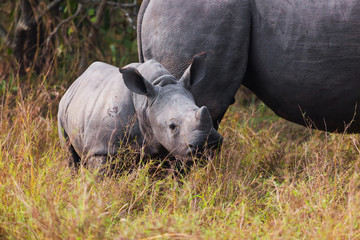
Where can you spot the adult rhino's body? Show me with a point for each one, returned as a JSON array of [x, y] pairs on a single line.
[[143, 105], [302, 58]]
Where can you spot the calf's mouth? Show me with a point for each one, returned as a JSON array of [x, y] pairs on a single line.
[[211, 142]]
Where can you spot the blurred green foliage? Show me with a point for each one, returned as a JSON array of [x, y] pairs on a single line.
[[68, 37]]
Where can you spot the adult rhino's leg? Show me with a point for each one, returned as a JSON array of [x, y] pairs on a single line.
[[141, 13], [173, 31]]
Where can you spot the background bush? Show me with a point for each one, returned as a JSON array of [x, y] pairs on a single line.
[[65, 36]]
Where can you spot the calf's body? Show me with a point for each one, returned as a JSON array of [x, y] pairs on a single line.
[[143, 105]]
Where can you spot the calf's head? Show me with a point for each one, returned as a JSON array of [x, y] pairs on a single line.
[[167, 113]]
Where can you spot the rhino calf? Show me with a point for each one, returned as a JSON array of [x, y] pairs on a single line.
[[141, 104]]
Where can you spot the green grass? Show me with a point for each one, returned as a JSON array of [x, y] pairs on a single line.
[[272, 180]]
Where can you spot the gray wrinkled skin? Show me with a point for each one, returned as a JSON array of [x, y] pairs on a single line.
[[143, 105], [302, 58]]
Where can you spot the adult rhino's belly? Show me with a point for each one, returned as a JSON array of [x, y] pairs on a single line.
[[320, 95], [308, 68]]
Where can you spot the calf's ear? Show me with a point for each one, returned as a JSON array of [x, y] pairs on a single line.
[[136, 83], [195, 72]]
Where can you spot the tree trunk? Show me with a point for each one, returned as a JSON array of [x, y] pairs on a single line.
[[28, 36]]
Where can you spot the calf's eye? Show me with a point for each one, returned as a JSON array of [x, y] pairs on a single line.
[[172, 126]]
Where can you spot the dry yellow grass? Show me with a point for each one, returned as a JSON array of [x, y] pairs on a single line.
[[272, 180]]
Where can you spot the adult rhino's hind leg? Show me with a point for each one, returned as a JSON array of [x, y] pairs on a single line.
[[141, 13]]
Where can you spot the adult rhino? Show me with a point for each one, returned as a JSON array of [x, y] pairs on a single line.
[[143, 105], [302, 58]]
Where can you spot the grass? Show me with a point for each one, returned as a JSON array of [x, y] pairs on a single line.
[[272, 180]]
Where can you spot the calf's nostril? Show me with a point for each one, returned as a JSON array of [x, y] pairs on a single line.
[[190, 152]]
